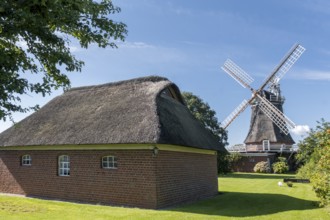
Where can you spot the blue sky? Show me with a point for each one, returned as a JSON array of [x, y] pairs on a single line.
[[188, 41]]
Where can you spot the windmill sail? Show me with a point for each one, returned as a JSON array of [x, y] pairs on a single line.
[[244, 79], [284, 66], [235, 114], [237, 73], [274, 114]]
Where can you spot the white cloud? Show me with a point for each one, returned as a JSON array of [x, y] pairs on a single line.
[[135, 45], [145, 53], [317, 75], [300, 130]]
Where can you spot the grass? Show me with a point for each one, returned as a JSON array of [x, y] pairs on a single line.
[[241, 195]]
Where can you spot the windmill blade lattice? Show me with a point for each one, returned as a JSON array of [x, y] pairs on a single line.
[[244, 79], [283, 122], [235, 113], [287, 62], [237, 73]]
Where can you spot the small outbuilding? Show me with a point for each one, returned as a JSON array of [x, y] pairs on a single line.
[[129, 143]]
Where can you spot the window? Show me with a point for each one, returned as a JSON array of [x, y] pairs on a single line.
[[64, 165], [109, 162], [26, 160], [265, 145]]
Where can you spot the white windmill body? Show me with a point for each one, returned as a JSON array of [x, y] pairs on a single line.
[[269, 127]]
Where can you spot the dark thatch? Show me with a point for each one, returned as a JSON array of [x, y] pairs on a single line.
[[262, 128], [147, 110]]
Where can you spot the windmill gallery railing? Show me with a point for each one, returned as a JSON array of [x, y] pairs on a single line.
[[261, 148]]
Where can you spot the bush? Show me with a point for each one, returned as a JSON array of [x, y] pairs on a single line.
[[289, 183], [262, 167], [281, 159], [321, 186], [223, 163], [280, 167], [320, 178], [306, 171], [226, 161], [314, 154], [233, 158]]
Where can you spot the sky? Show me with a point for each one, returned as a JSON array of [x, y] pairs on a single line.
[[188, 42]]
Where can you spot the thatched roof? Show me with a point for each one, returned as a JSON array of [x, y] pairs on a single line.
[[262, 128], [147, 110]]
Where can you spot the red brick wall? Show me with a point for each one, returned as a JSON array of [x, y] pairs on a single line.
[[247, 163], [8, 183], [180, 177], [87, 182], [184, 177]]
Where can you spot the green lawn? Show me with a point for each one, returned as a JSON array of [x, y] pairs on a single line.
[[248, 196]]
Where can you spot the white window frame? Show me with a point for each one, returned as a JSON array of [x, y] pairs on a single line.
[[64, 165], [266, 145], [109, 162], [26, 160]]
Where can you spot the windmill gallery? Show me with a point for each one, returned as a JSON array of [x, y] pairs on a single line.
[[268, 136]]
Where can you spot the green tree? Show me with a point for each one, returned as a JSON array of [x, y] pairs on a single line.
[[35, 38], [203, 112], [314, 153], [315, 140], [321, 177]]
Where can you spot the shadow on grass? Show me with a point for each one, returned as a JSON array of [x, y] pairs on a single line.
[[257, 176], [235, 204]]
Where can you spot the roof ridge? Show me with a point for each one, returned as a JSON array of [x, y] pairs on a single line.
[[152, 78]]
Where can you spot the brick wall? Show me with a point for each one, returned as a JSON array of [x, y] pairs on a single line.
[[247, 163], [87, 182], [8, 163], [185, 177], [181, 177]]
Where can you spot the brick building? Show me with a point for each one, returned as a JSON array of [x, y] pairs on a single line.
[[129, 143]]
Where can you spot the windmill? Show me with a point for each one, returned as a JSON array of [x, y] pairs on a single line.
[[269, 127]]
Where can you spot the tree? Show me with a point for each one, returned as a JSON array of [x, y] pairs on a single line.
[[316, 139], [203, 112], [314, 153], [35, 38], [321, 177]]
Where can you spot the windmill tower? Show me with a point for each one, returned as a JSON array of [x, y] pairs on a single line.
[[264, 134], [269, 127]]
